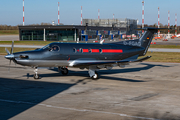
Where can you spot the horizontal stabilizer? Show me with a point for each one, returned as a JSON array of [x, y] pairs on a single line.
[[150, 28], [142, 59]]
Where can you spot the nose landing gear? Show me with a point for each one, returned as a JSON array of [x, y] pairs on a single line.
[[36, 75]]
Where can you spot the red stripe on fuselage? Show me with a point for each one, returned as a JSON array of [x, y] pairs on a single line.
[[112, 51], [85, 50], [95, 50], [102, 50]]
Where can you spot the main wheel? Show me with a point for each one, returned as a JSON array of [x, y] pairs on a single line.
[[64, 71], [36, 76], [95, 77]]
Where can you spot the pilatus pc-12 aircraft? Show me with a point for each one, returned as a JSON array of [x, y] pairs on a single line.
[[92, 56]]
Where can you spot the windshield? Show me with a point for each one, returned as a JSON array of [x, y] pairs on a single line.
[[45, 47]]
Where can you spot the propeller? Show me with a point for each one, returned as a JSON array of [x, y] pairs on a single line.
[[7, 51], [10, 55], [12, 48]]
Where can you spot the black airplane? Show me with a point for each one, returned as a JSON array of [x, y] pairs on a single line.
[[92, 56]]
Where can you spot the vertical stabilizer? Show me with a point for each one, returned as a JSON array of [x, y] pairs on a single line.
[[147, 37], [144, 41]]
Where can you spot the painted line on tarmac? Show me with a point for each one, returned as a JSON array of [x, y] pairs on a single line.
[[79, 110]]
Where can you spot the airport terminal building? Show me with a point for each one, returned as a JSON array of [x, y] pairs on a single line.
[[91, 29]]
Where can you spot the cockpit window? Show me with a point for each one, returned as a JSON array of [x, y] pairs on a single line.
[[45, 47], [55, 48]]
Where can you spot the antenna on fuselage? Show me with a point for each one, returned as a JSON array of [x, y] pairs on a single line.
[[101, 41]]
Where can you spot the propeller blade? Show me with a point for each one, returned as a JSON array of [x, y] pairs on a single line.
[[7, 51], [12, 47]]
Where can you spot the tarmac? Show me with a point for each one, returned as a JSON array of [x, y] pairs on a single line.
[[141, 91], [9, 37]]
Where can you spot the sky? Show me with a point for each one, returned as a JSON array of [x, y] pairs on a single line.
[[38, 11]]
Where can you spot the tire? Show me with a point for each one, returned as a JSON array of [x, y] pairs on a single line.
[[36, 76], [64, 71], [95, 77]]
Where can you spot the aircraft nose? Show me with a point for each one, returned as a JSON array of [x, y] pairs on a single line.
[[10, 56]]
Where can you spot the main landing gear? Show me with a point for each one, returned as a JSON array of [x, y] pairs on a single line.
[[63, 70], [93, 74]]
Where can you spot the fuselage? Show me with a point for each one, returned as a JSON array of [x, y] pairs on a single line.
[[62, 54]]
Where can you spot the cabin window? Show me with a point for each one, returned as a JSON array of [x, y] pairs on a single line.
[[100, 50], [80, 50], [90, 50], [74, 50], [55, 48]]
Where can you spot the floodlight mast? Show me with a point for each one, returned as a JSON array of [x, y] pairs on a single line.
[[58, 13], [23, 12]]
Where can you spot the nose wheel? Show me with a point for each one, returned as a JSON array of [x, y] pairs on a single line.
[[36, 75]]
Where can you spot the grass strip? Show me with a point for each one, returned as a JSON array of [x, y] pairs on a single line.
[[166, 46], [26, 42], [3, 51], [9, 32], [172, 57]]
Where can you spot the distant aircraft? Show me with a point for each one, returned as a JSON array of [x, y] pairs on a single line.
[[178, 35], [92, 56]]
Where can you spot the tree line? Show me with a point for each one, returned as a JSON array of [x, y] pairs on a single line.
[[9, 27]]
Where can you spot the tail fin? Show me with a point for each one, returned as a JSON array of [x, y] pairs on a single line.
[[147, 37], [144, 41]]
